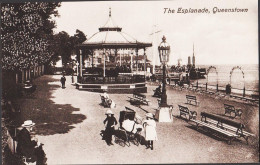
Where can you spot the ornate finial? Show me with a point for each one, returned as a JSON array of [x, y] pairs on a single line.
[[110, 12], [164, 38]]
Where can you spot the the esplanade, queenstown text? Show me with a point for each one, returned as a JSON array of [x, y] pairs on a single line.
[[215, 10]]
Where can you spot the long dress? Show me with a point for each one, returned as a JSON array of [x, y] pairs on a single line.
[[150, 130], [109, 131]]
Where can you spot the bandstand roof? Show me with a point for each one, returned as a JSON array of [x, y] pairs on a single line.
[[111, 36]]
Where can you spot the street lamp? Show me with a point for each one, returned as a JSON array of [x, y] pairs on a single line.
[[164, 112], [164, 52]]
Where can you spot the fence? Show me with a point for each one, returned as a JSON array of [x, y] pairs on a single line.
[[121, 79], [217, 88]]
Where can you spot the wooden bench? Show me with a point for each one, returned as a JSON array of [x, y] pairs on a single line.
[[187, 113], [192, 99], [229, 109], [105, 102], [229, 128], [138, 99]]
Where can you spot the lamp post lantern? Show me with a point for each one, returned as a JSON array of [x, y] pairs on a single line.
[[164, 112], [164, 52]]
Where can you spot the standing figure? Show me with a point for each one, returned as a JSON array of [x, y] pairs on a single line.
[[63, 80], [110, 123], [228, 89], [150, 130]]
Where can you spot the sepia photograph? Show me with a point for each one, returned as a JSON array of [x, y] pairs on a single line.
[[130, 82]]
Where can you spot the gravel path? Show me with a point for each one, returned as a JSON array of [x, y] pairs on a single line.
[[69, 122]]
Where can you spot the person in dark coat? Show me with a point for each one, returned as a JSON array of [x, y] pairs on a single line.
[[26, 145], [158, 91], [110, 122], [63, 80], [228, 89]]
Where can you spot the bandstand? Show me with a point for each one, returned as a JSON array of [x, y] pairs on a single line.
[[105, 46]]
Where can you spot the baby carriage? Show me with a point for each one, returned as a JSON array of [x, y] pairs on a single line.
[[130, 128]]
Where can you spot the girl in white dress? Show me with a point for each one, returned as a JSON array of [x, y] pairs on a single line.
[[150, 130]]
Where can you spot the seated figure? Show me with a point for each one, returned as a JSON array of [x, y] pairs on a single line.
[[158, 91], [109, 101], [26, 146]]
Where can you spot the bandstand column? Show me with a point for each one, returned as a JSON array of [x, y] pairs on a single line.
[[131, 61], [104, 53], [80, 62], [136, 50], [92, 51], [120, 58], [145, 63]]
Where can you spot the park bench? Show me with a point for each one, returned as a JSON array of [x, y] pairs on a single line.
[[192, 99], [105, 102], [229, 128], [229, 109], [138, 99], [187, 113]]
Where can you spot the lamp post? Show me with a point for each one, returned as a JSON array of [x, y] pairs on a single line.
[[163, 114], [164, 52]]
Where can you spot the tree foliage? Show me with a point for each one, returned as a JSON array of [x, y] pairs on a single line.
[[26, 34], [65, 45]]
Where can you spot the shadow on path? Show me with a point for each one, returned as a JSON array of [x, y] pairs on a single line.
[[50, 118]]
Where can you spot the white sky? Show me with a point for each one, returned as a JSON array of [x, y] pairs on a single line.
[[222, 38]]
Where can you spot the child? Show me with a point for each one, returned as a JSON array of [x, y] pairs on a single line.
[[150, 130], [110, 122]]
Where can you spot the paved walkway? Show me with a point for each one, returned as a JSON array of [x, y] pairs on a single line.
[[69, 122]]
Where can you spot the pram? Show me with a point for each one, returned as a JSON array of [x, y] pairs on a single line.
[[132, 132], [130, 128]]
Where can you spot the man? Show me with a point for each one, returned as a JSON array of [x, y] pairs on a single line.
[[62, 80]]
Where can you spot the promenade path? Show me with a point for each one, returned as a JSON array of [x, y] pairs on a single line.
[[69, 121]]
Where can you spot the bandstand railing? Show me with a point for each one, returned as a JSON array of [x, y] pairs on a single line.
[[121, 79]]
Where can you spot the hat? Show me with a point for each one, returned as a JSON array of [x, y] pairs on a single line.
[[28, 123], [109, 112], [150, 115]]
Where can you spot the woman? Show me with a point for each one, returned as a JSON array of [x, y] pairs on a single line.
[[150, 131], [110, 122]]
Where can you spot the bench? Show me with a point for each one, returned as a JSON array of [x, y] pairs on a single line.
[[229, 109], [192, 99], [105, 102], [229, 128], [138, 99], [187, 113]]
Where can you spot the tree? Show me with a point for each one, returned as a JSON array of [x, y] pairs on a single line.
[[26, 34], [64, 45], [79, 37]]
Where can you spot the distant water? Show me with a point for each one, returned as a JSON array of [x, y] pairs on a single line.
[[250, 80]]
